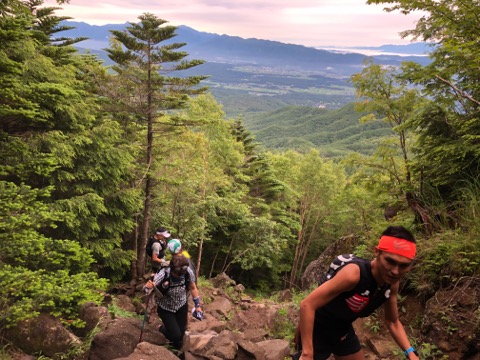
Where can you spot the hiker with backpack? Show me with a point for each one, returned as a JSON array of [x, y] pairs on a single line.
[[155, 248], [354, 287], [171, 286]]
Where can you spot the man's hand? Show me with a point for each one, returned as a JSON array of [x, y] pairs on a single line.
[[413, 356], [305, 357]]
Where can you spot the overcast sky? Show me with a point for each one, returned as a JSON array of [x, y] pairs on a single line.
[[306, 22]]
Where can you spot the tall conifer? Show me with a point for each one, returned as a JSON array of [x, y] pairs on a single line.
[[144, 59]]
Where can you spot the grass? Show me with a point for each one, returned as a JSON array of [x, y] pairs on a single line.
[[7, 352], [117, 312]]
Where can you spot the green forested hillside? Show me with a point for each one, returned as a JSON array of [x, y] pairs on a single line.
[[333, 132], [93, 159]]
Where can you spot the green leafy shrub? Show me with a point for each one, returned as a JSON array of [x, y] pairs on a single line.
[[25, 293], [34, 251], [443, 259], [117, 312]]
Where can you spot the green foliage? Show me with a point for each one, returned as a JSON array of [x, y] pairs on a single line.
[[445, 258], [283, 327], [22, 207], [425, 350], [62, 170], [39, 273], [83, 348], [64, 146], [373, 323], [26, 293], [117, 312], [430, 351], [34, 251], [468, 193], [447, 128], [80, 154]]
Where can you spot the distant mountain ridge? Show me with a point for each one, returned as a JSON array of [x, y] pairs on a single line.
[[418, 48], [100, 33], [237, 50]]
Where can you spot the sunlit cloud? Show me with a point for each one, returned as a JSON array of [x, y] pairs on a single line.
[[306, 22]]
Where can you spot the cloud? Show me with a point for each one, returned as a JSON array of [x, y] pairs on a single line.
[[307, 22]]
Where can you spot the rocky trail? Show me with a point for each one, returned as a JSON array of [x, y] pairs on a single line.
[[237, 327]]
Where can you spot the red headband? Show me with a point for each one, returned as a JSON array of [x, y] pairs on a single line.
[[397, 246]]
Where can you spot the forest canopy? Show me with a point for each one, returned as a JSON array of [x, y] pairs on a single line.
[[93, 158]]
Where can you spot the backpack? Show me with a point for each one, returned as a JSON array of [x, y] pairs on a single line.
[[150, 243], [339, 262], [165, 284]]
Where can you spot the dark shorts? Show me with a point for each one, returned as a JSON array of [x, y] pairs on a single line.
[[326, 343]]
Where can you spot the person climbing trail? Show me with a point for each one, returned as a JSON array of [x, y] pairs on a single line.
[[354, 287], [174, 283]]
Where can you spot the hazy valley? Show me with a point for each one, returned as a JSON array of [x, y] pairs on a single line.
[[289, 96]]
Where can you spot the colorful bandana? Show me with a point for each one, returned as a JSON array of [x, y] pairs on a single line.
[[397, 246]]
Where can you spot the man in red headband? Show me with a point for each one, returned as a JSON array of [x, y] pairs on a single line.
[[354, 287]]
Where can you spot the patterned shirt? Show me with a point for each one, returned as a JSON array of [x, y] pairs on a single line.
[[177, 294]]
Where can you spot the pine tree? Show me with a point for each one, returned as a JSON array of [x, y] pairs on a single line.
[[144, 58], [47, 125]]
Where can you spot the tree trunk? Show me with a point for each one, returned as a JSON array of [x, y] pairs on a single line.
[[148, 187], [421, 214], [141, 259], [135, 247], [309, 241], [204, 197], [298, 248]]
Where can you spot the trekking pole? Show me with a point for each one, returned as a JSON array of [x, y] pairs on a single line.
[[145, 316]]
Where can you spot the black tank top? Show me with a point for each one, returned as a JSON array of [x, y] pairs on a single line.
[[363, 300]]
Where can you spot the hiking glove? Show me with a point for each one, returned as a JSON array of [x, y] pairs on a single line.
[[197, 314]]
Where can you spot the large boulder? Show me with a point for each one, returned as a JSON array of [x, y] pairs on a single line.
[[208, 323], [255, 316], [94, 316], [227, 345], [44, 334], [275, 349], [147, 351], [248, 350], [220, 308], [222, 347], [316, 268], [125, 303], [195, 342], [385, 349], [223, 281], [121, 337]]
